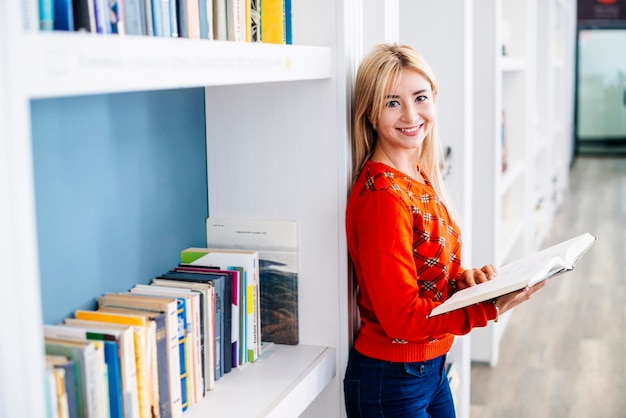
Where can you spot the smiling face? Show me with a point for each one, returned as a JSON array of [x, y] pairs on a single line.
[[407, 117]]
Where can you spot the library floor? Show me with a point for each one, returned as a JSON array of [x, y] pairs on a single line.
[[563, 353]]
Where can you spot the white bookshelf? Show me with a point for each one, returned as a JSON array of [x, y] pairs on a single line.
[[503, 66], [250, 89], [531, 88]]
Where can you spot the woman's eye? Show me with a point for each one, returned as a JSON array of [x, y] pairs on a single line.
[[393, 103], [421, 98]]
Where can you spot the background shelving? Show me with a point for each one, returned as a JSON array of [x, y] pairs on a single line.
[[247, 92]]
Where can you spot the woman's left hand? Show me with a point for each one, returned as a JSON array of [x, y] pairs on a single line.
[[472, 277]]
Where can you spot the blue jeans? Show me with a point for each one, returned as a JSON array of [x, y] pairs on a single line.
[[376, 388]]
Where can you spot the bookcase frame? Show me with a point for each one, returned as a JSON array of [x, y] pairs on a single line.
[[56, 65]]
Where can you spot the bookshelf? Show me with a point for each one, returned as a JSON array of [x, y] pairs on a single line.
[[248, 92], [523, 69], [503, 70]]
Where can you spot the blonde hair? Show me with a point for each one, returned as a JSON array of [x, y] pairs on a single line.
[[379, 71]]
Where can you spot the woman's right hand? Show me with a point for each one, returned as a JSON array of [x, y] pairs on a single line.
[[509, 301]]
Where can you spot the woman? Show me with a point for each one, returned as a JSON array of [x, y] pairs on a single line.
[[404, 245]]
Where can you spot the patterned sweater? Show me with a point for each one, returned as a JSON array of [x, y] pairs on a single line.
[[406, 254]]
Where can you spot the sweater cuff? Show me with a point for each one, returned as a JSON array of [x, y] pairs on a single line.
[[490, 309]]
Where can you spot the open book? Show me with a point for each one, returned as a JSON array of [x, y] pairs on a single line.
[[522, 273]]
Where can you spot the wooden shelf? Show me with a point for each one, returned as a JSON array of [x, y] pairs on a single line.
[[283, 382], [65, 64]]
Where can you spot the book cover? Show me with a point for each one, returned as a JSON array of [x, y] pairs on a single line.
[[102, 17], [116, 17], [69, 381], [255, 20], [210, 330], [186, 336], [231, 316], [207, 317], [226, 259], [193, 19], [236, 16], [84, 16], [205, 11], [277, 245], [521, 273], [156, 359], [140, 332], [134, 22], [182, 16], [46, 15], [110, 352], [63, 15], [222, 284], [125, 337], [220, 30], [167, 305], [83, 355], [288, 23], [272, 21]]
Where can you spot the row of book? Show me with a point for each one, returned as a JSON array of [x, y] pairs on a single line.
[[266, 21], [157, 348]]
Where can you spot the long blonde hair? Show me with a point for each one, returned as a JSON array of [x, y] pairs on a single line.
[[379, 70]]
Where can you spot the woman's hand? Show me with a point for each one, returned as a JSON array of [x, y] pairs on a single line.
[[511, 300], [472, 277]]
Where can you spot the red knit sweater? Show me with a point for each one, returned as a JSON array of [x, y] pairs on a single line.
[[406, 253]]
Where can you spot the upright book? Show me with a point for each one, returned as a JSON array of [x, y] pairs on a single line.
[[522, 273], [227, 259], [277, 244], [169, 307]]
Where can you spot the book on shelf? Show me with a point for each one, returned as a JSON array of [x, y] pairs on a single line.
[[156, 362], [56, 398], [212, 325], [254, 21], [88, 357], [125, 336], [209, 355], [102, 16], [522, 273], [142, 350], [220, 27], [69, 384], [236, 20], [188, 337], [168, 306], [134, 17], [46, 15], [277, 245], [84, 15], [111, 359], [221, 281], [273, 21], [205, 20], [228, 259], [63, 15], [229, 305]]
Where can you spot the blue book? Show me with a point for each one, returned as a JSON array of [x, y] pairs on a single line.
[[63, 15], [112, 360], [288, 23], [46, 15]]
